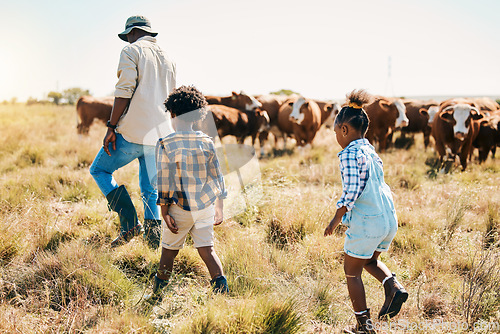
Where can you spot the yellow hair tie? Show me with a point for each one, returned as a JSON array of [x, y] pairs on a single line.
[[355, 105]]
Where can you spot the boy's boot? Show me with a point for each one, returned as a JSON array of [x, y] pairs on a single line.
[[119, 201], [364, 324], [156, 296], [395, 296], [152, 233], [219, 284]]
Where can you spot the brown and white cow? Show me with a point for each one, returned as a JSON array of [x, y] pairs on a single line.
[[455, 127], [385, 114], [271, 104], [235, 122], [89, 108], [300, 117], [240, 101], [485, 104], [328, 112], [488, 137], [418, 116]]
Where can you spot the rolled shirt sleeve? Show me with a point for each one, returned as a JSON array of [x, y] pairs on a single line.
[[351, 169], [127, 73], [165, 177]]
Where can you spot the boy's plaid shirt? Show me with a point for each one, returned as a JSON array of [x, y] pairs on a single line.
[[189, 173], [354, 171]]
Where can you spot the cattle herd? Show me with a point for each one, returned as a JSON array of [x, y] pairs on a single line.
[[458, 126]]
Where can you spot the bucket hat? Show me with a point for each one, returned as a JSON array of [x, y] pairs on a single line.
[[139, 22]]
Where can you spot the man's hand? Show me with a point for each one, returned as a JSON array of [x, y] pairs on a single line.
[[109, 138], [219, 212]]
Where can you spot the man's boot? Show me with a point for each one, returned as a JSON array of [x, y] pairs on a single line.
[[395, 296], [152, 233], [119, 201], [364, 324]]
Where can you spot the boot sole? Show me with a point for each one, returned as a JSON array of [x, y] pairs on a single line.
[[395, 306], [126, 237]]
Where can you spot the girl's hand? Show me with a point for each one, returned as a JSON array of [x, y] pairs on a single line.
[[329, 229], [335, 221]]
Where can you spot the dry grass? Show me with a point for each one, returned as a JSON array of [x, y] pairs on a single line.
[[58, 273]]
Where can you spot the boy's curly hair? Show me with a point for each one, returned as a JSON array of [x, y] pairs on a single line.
[[187, 100], [353, 113]]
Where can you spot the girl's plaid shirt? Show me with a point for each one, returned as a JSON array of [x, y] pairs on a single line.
[[189, 173], [354, 171]]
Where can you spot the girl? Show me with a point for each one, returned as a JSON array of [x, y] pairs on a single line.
[[367, 209]]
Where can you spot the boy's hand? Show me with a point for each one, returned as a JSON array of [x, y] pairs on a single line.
[[169, 220], [219, 212], [171, 224]]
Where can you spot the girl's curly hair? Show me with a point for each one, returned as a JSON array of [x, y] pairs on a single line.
[[187, 100], [353, 113]]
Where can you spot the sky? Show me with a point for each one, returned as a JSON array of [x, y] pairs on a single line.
[[319, 48]]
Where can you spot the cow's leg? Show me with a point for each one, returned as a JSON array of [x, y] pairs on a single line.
[[427, 134], [383, 143], [465, 153], [483, 154], [262, 141], [440, 149], [284, 141], [463, 160]]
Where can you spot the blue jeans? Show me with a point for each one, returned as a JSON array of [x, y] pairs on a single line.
[[104, 165]]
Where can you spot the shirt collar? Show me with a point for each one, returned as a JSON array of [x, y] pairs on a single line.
[[355, 144], [147, 38]]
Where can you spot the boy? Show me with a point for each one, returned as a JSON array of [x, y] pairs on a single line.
[[190, 188]]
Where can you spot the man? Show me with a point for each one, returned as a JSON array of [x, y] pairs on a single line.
[[146, 76]]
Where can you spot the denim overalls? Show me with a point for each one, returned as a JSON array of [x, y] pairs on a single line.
[[372, 223]]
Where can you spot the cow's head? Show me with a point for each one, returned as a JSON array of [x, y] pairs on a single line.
[[460, 115], [331, 109], [245, 101], [296, 115], [429, 113], [263, 119], [396, 110], [402, 120]]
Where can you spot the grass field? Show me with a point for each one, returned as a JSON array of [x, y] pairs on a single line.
[[58, 274]]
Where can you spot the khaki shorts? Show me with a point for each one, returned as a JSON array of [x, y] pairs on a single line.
[[200, 224]]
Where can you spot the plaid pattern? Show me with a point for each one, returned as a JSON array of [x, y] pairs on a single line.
[[189, 173], [354, 171]]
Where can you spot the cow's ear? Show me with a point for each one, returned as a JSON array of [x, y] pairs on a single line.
[[424, 112], [446, 116], [328, 107], [384, 105], [476, 115]]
